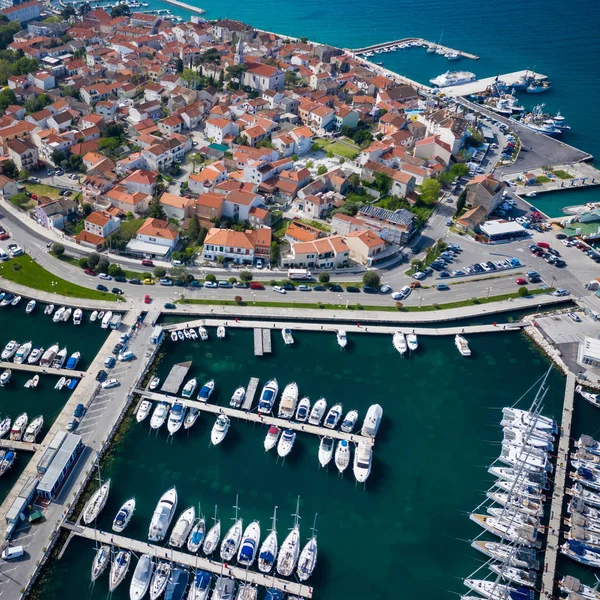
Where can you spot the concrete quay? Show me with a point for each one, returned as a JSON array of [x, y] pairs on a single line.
[[41, 370], [480, 85], [20, 446], [189, 7], [413, 40]]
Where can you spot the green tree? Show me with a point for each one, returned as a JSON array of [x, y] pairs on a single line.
[[7, 97], [322, 170], [459, 170], [23, 174], [93, 260], [232, 280], [121, 10], [430, 191], [10, 169], [192, 79], [83, 262], [159, 272], [20, 200], [193, 229], [291, 79], [234, 72], [371, 278], [58, 249], [58, 156], [275, 252], [246, 276], [382, 182], [68, 12], [210, 277], [362, 137], [7, 33], [211, 56], [324, 277], [84, 9], [70, 91], [523, 291], [156, 209], [179, 274], [103, 265], [115, 270], [460, 203]]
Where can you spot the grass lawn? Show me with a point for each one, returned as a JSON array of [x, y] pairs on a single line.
[[316, 224], [344, 148], [562, 174], [542, 179], [34, 276], [39, 189]]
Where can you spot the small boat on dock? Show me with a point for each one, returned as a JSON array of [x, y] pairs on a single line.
[[462, 345], [247, 591], [189, 388], [96, 503], [363, 457], [60, 359], [206, 391], [124, 515], [289, 398], [318, 412], [49, 355], [49, 309], [163, 515], [193, 334], [5, 377], [154, 383], [249, 545], [203, 333], [325, 450], [191, 417], [77, 316], [4, 426], [237, 399], [593, 399], [303, 410], [272, 437], [333, 416], [58, 315], [174, 336], [7, 459], [412, 341], [176, 417], [160, 579], [288, 338], [142, 576], [15, 300], [106, 319], [159, 415], [399, 342], [268, 549], [30, 307], [73, 361], [221, 332], [182, 527], [19, 427], [60, 384], [342, 455], [101, 561], [67, 314], [93, 316], [286, 443], [372, 421], [196, 537], [35, 356], [33, 429], [9, 350], [220, 429], [342, 339], [23, 352], [349, 421], [268, 397]]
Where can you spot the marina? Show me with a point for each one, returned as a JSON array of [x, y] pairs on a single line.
[[413, 41]]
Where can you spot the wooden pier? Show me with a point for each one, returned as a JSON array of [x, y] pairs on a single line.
[[175, 377], [41, 370], [562, 465], [21, 446], [413, 40], [236, 413], [250, 393], [190, 560]]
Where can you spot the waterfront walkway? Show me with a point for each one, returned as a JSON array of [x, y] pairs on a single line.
[[562, 465], [191, 560], [235, 413], [41, 370]]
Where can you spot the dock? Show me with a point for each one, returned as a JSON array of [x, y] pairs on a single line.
[[175, 377], [186, 6], [235, 413], [41, 370], [190, 560], [266, 341], [480, 85], [413, 40], [250, 393], [558, 495], [20, 446], [258, 342]]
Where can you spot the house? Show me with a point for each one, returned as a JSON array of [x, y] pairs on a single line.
[[433, 147], [364, 246], [227, 244], [162, 155], [156, 238], [486, 191], [258, 216], [209, 208], [326, 253], [207, 178], [219, 129], [318, 205], [23, 153], [176, 207], [472, 218], [8, 187], [142, 181], [27, 11], [393, 226], [261, 77], [55, 213], [96, 228], [300, 232], [402, 183], [238, 203], [136, 202], [42, 80]]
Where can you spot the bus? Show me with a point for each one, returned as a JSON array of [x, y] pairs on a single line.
[[299, 274]]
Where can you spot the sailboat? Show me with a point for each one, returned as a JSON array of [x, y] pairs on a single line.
[[101, 560], [268, 549], [211, 541], [308, 556], [290, 549], [160, 579], [118, 569], [96, 503], [196, 537], [233, 537], [142, 576], [249, 546], [200, 587]]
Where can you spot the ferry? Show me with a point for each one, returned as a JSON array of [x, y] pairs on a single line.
[[453, 78]]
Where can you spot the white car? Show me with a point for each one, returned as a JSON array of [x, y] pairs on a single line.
[[279, 289], [385, 289], [110, 383], [105, 277], [575, 317], [419, 275], [16, 251], [404, 292]]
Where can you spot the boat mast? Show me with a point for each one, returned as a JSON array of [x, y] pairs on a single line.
[[314, 527], [274, 521], [297, 513]]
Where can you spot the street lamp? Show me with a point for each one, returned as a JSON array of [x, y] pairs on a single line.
[[488, 290], [254, 296], [340, 298], [54, 284]]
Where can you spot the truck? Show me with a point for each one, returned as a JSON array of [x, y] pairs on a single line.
[[299, 274]]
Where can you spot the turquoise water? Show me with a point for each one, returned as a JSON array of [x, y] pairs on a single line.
[[552, 203], [440, 430]]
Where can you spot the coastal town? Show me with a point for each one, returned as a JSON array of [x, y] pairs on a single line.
[[210, 199]]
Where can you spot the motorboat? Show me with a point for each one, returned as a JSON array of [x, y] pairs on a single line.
[[372, 421], [23, 352], [5, 377], [4, 426], [182, 527], [249, 545], [106, 320], [303, 410], [268, 549], [60, 359], [342, 455], [96, 503], [101, 561], [317, 412], [220, 429], [349, 421], [224, 589], [221, 332], [7, 459], [288, 338], [196, 537], [203, 333], [237, 399], [272, 437], [58, 315], [18, 428], [35, 356], [593, 399], [9, 350], [231, 540], [363, 456], [124, 515], [49, 309], [193, 334], [308, 558], [154, 383], [412, 341], [200, 587], [77, 316], [452, 77], [462, 345], [73, 361], [186, 334], [7, 299], [342, 340], [33, 429], [163, 515], [142, 576], [176, 417], [160, 579], [93, 316], [30, 307], [191, 417], [326, 450], [15, 300], [174, 336], [287, 404], [60, 384], [211, 540], [333, 416], [206, 391], [452, 55], [286, 443], [399, 341], [49, 355], [101, 315], [189, 388], [268, 396], [290, 549]]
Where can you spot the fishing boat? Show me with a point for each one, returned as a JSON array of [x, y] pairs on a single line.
[[9, 350], [232, 539], [211, 541], [221, 332], [268, 549], [73, 361], [5, 377], [77, 316], [249, 545], [342, 340], [290, 549], [372, 421], [333, 416], [30, 307], [271, 438], [106, 319], [189, 388], [317, 412], [303, 410], [49, 309], [342, 455], [288, 338], [163, 515], [462, 345], [35, 356], [200, 587], [142, 576], [176, 417], [237, 399], [48, 356], [23, 352], [93, 316], [538, 86], [268, 397], [182, 527], [60, 359], [100, 562], [325, 450], [224, 589], [96, 503], [124, 515], [399, 342], [286, 443], [220, 429], [7, 459], [58, 315], [412, 341], [349, 421], [4, 426], [203, 333], [33, 429], [196, 537], [154, 383], [206, 391], [363, 456], [289, 398], [160, 579], [18, 428], [191, 417], [308, 556], [177, 584], [15, 300]]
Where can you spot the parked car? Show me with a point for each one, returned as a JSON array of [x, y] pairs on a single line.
[[336, 288], [319, 288], [560, 292], [117, 291], [210, 284], [148, 281], [419, 275], [279, 289], [256, 285], [224, 284], [135, 281], [240, 285], [369, 289], [444, 274], [385, 289], [170, 305], [574, 316], [165, 281], [352, 289], [441, 287], [101, 288], [147, 263], [304, 288], [88, 271], [521, 281], [101, 376], [120, 279], [147, 299], [105, 276], [195, 283]]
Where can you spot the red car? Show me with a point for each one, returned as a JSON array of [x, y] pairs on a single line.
[[88, 271], [147, 299], [147, 263], [521, 281], [4, 235]]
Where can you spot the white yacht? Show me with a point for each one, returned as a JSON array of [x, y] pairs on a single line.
[[160, 579], [453, 78], [101, 560], [118, 569], [60, 358], [290, 549], [93, 316], [303, 410], [77, 316], [333, 416], [154, 383], [231, 540], [211, 541], [342, 340], [288, 338], [462, 345], [412, 341], [591, 398], [58, 315], [67, 314], [5, 377], [286, 442], [308, 559], [318, 411], [142, 576], [221, 332], [372, 421], [23, 352], [143, 410], [326, 450], [249, 546], [176, 417], [272, 437], [30, 306], [342, 455], [96, 503], [220, 429], [4, 426], [349, 421], [196, 537], [268, 396], [193, 334], [19, 426], [124, 515], [289, 398], [48, 356], [33, 429], [206, 391], [106, 319], [363, 456], [9, 350], [15, 300], [163, 515], [35, 356], [399, 342], [182, 527], [189, 388], [268, 549], [237, 399], [191, 417], [202, 333], [452, 55], [49, 309]]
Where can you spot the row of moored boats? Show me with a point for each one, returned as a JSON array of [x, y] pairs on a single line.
[[21, 430]]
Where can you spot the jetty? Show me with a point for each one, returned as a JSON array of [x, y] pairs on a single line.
[[41, 370], [175, 377], [236, 413], [186, 6], [480, 85], [21, 446], [262, 341], [413, 40], [558, 495], [250, 393], [190, 560]]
